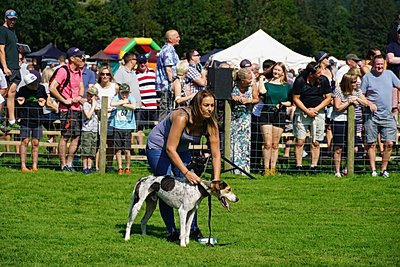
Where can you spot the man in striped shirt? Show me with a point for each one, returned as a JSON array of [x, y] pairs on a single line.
[[147, 114]]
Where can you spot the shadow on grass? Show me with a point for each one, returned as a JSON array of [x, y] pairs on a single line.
[[156, 231]]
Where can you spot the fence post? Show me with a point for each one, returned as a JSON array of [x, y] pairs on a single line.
[[103, 134], [350, 140], [227, 133]]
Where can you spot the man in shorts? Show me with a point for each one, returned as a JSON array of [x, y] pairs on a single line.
[[377, 87], [9, 63], [69, 99], [311, 94]]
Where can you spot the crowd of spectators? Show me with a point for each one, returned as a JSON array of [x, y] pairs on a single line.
[[312, 104]]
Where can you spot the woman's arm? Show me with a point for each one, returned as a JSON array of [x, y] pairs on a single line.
[[179, 119], [215, 154], [261, 85]]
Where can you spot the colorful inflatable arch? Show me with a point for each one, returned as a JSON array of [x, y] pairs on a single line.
[[141, 45]]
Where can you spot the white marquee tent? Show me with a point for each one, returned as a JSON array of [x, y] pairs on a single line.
[[258, 47]]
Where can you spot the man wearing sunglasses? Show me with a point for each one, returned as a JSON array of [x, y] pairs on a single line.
[[69, 98], [196, 75], [9, 63]]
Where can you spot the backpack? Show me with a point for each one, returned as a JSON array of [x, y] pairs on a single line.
[[60, 87]]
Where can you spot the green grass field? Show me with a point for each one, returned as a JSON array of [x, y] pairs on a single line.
[[61, 219]]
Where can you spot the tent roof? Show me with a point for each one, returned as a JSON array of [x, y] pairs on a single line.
[[100, 55], [49, 51], [258, 47], [205, 57]]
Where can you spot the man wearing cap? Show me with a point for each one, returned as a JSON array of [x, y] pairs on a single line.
[[166, 71], [351, 62], [311, 94], [126, 74], [377, 86], [147, 85], [196, 75], [31, 98], [9, 62], [69, 98], [393, 54]]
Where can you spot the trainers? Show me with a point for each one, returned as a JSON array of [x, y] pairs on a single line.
[[120, 171], [314, 169], [173, 237], [299, 168], [384, 174], [128, 171], [374, 173], [14, 126], [196, 234], [87, 171], [338, 174], [68, 169]]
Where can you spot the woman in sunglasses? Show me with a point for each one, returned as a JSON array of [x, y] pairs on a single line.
[[107, 87]]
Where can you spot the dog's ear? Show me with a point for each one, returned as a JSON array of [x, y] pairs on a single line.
[[218, 184]]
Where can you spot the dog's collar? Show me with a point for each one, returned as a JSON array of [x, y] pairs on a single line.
[[204, 188]]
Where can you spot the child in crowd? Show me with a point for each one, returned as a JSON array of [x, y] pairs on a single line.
[[90, 129], [31, 98], [123, 123]]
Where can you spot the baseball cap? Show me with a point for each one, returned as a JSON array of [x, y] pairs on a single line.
[[11, 14], [30, 78], [321, 55], [93, 90], [141, 59], [75, 52], [245, 63], [352, 57], [124, 88]]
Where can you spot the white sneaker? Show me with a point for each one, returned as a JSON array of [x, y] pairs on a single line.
[[338, 174], [384, 174], [374, 174]]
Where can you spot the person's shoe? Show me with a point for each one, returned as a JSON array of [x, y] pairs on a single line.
[[34, 169], [128, 171], [299, 168], [173, 237], [120, 171], [384, 174], [196, 234], [68, 169], [338, 175], [344, 172], [87, 171], [374, 173], [25, 170], [313, 169], [15, 126]]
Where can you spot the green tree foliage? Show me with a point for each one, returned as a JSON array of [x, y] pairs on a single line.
[[305, 26]]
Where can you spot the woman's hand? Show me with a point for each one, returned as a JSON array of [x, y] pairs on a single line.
[[192, 178]]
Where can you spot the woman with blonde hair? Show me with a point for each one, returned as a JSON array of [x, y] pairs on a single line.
[[277, 97], [107, 87], [180, 87], [50, 110], [243, 98]]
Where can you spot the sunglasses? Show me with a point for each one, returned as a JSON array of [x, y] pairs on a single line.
[[197, 55], [354, 81], [105, 74]]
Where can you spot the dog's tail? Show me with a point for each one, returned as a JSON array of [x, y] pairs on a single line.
[[135, 195]]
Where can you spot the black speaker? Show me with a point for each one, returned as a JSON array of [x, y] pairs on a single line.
[[220, 81]]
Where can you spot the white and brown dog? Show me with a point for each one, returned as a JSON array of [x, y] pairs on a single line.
[[178, 193]]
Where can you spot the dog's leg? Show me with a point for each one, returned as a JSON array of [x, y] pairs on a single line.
[[151, 204], [133, 213], [183, 219], [190, 216]]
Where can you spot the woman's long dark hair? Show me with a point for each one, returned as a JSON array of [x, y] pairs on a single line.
[[195, 106]]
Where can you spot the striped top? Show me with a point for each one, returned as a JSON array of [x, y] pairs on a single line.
[[147, 88]]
